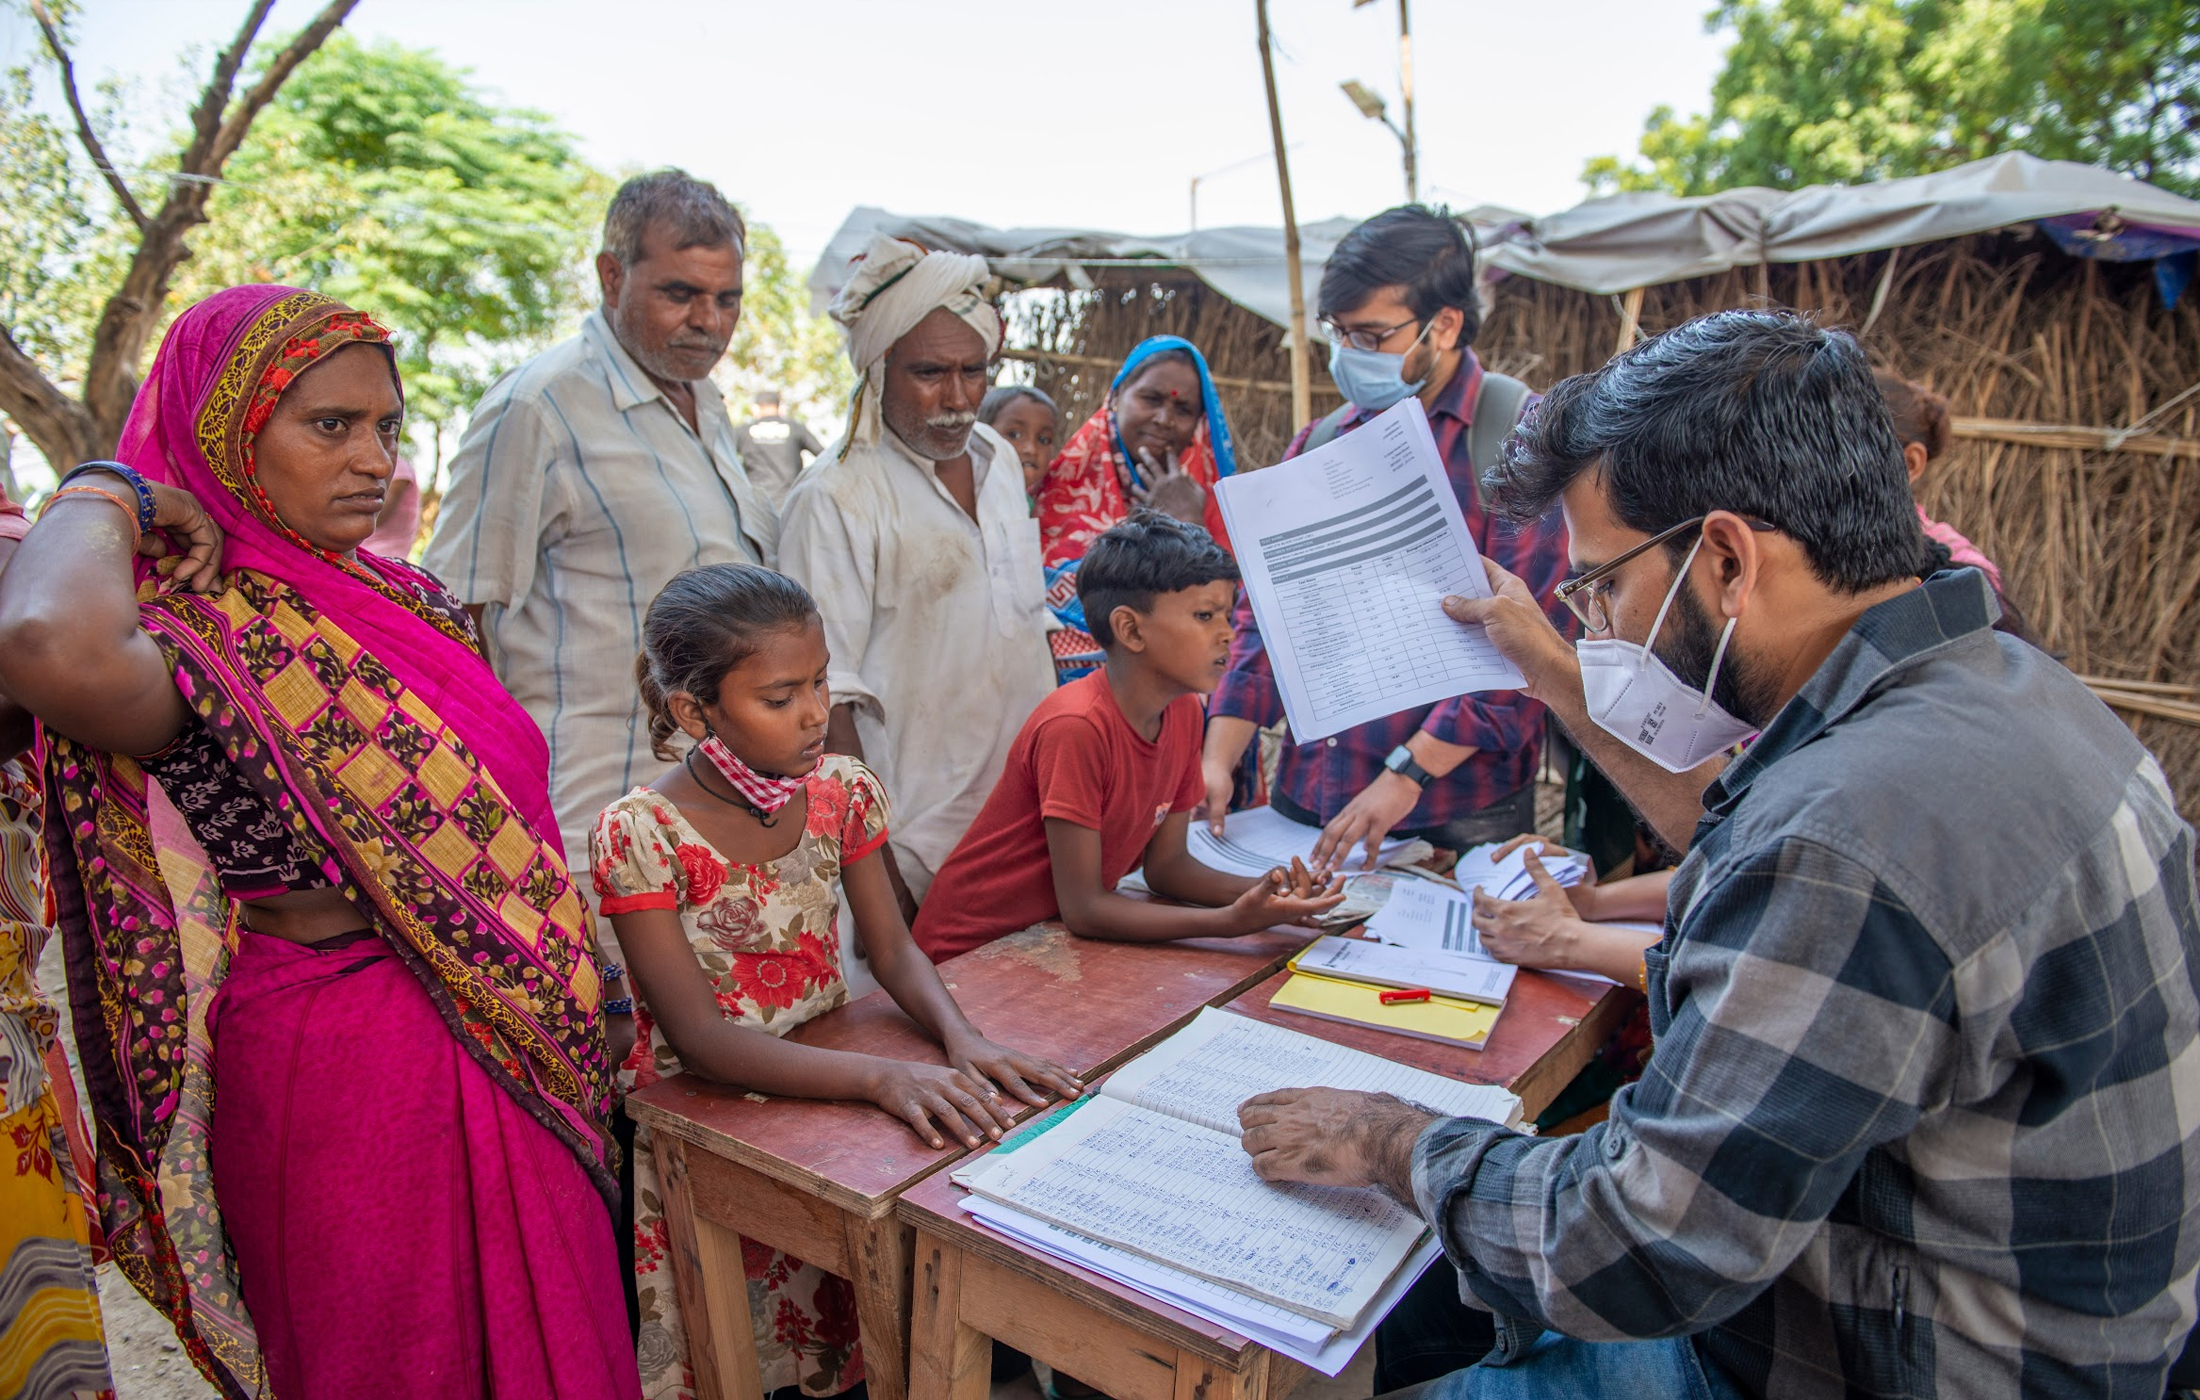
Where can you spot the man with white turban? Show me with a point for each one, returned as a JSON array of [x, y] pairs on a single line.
[[914, 535]]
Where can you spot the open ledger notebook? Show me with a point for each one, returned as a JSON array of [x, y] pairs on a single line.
[[1152, 1166]]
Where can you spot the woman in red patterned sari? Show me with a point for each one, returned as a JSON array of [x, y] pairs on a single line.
[[371, 944], [1159, 441]]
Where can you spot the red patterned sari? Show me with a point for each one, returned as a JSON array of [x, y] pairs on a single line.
[[403, 1183]]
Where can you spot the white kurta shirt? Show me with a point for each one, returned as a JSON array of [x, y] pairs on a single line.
[[577, 493], [937, 624]]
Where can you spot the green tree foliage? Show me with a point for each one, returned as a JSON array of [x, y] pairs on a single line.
[[382, 176], [1841, 91], [779, 344]]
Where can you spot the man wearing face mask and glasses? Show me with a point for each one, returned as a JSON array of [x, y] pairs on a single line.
[[1917, 1120], [1399, 310]]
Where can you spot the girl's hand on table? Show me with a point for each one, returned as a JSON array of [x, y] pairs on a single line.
[[938, 1103], [1028, 1077]]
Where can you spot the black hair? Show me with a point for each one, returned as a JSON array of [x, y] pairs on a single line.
[[1426, 251], [704, 623], [1174, 355], [1132, 563], [1000, 396], [1763, 413]]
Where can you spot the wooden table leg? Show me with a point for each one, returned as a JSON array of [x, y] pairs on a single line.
[[878, 1267], [948, 1360], [713, 1287]]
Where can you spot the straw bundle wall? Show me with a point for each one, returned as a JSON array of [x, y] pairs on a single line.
[[2099, 548]]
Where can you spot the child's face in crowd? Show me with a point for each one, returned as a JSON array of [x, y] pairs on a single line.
[[772, 707], [1030, 428], [1186, 638]]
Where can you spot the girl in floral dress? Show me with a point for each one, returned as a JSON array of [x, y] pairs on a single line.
[[723, 879]]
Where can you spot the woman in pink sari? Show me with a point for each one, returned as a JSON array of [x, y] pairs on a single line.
[[345, 1048]]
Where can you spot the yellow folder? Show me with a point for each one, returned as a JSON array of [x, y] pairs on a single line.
[[1445, 1019]]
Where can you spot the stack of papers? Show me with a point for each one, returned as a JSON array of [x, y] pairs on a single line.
[[1147, 1184], [1509, 878], [1460, 975], [1258, 839]]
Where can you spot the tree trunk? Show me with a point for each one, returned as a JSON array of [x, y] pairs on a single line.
[[71, 430]]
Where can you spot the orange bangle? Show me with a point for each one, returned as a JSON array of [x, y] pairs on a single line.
[[1642, 977], [126, 507]]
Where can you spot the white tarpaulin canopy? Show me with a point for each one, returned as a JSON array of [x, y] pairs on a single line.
[[1603, 245]]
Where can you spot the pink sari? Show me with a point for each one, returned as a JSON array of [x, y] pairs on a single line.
[[404, 1188]]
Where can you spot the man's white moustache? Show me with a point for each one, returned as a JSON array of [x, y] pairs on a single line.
[[951, 420]]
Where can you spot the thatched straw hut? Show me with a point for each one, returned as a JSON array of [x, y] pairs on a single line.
[[2076, 387]]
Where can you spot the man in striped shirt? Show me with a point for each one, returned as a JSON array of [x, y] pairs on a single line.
[[592, 474]]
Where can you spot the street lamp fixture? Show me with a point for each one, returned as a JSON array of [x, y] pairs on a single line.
[[1372, 106]]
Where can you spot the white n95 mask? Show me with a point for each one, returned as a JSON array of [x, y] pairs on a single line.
[[1636, 698]]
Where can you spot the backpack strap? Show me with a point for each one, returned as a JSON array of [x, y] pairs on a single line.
[[1497, 406], [1325, 431]]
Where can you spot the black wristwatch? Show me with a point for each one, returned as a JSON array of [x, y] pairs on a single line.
[[1401, 762]]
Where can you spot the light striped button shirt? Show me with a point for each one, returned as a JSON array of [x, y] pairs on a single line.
[[577, 493]]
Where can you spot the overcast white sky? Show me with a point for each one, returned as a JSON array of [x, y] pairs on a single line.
[[1063, 112]]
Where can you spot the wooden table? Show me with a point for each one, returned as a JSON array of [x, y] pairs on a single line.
[[1552, 1026], [974, 1286], [819, 1179]]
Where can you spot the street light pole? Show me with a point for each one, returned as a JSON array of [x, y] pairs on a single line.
[[1372, 107], [1405, 81]]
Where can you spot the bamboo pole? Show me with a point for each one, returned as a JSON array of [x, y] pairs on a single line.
[[1302, 374], [1630, 321], [2068, 435]]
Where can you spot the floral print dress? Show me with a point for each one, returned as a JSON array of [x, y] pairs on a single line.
[[767, 937]]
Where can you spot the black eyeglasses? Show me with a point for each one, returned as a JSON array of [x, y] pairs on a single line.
[[1585, 599], [1367, 337]]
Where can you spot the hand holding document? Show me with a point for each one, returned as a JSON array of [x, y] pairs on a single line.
[[1348, 552]]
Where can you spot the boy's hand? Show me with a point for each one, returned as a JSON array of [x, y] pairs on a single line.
[[981, 1060], [930, 1098], [1293, 896]]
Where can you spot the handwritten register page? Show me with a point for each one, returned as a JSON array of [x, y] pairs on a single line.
[[1348, 552]]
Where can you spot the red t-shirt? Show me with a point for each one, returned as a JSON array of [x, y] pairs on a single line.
[[1077, 759]]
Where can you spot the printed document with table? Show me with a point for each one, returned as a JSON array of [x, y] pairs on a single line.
[[1152, 1168], [1348, 552]]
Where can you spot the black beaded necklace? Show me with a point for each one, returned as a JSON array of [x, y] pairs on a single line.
[[735, 801]]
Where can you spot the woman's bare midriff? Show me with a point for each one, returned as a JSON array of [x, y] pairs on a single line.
[[304, 916]]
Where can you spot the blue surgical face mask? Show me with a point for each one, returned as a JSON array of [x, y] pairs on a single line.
[[1372, 379]]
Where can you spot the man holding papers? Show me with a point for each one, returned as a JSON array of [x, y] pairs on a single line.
[[1399, 311], [1919, 1116]]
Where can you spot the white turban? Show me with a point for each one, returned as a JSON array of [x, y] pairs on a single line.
[[897, 284]]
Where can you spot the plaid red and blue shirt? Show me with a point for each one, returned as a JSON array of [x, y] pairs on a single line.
[[1504, 728]]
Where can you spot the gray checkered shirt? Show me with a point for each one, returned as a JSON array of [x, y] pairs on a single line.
[[1921, 1117]]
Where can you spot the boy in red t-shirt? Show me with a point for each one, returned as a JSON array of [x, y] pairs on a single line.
[[1106, 772]]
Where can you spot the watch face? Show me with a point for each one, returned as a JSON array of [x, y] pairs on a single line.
[[1399, 758]]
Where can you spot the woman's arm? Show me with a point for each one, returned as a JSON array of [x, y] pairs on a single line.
[[671, 983], [1094, 911], [914, 983], [71, 650]]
